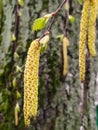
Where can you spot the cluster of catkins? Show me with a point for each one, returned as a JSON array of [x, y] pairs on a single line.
[[87, 33]]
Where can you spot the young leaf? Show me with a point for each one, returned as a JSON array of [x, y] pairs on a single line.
[[43, 47], [13, 38], [18, 95], [39, 24], [21, 2], [44, 41], [71, 18], [60, 37], [48, 16], [14, 82]]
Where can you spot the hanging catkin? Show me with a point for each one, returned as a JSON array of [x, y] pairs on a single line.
[[16, 111], [65, 59], [31, 82], [91, 27], [82, 40]]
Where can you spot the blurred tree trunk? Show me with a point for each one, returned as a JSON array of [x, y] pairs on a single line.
[[59, 96]]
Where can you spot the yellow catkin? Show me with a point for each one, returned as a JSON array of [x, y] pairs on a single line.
[[82, 40], [16, 112], [65, 59], [91, 28], [16, 118], [31, 82]]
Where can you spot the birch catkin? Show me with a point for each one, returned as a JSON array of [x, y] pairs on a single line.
[[91, 28], [82, 40], [65, 58], [31, 82], [16, 111]]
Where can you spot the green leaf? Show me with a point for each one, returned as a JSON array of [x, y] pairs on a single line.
[[60, 37], [18, 95], [17, 108], [44, 41], [21, 2], [43, 47], [71, 18], [16, 56], [14, 82], [18, 69], [39, 24], [13, 38]]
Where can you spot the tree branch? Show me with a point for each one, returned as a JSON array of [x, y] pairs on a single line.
[[16, 28], [54, 15]]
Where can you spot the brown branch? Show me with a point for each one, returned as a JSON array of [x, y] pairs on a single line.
[[16, 28], [65, 20], [14, 46], [54, 15]]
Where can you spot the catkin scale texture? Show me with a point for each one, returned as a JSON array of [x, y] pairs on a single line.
[[91, 28], [82, 39], [31, 82]]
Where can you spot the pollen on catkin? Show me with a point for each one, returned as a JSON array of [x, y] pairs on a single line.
[[82, 39], [91, 27], [31, 82], [65, 58]]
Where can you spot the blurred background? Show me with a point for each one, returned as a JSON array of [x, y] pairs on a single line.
[[59, 96]]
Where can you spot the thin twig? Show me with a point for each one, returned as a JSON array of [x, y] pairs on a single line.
[[16, 28], [65, 20], [54, 15]]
